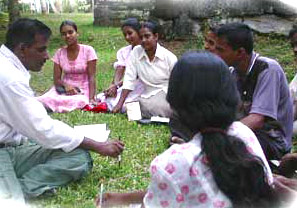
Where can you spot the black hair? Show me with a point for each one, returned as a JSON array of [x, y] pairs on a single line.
[[238, 35], [153, 26], [24, 31], [70, 23], [132, 22], [204, 95], [292, 32]]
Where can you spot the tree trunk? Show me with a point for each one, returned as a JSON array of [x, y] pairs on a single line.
[[52, 5], [44, 9], [13, 9]]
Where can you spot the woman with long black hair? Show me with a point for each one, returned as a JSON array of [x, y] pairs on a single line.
[[223, 165], [74, 73]]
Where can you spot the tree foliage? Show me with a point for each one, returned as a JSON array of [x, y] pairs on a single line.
[[4, 5]]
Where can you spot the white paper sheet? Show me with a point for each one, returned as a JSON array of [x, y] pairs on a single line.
[[160, 119], [133, 111], [275, 162], [97, 132]]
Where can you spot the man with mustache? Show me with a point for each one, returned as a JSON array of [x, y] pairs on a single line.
[[55, 154], [266, 105]]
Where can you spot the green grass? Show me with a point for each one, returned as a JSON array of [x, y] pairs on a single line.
[[143, 142]]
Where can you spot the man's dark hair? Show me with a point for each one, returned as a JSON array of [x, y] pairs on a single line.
[[238, 35], [292, 32], [152, 25], [24, 30]]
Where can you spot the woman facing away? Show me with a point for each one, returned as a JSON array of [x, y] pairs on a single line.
[[151, 64], [112, 94], [223, 165], [74, 73]]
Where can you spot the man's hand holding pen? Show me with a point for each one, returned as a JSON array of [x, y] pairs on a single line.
[[111, 148]]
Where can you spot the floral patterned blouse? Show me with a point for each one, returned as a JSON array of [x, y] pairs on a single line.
[[180, 176]]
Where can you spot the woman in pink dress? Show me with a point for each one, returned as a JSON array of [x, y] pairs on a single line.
[[74, 74], [112, 94]]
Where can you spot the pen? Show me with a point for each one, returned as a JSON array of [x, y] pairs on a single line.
[[119, 156], [101, 195]]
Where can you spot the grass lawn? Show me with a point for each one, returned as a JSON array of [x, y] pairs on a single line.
[[143, 142]]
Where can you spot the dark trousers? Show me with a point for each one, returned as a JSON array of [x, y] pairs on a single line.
[[272, 143]]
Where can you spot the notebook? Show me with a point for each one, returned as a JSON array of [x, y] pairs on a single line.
[[96, 132]]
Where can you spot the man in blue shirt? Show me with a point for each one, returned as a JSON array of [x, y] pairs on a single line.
[[266, 105]]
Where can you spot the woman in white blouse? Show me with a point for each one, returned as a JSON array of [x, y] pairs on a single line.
[[152, 64], [223, 165], [112, 94]]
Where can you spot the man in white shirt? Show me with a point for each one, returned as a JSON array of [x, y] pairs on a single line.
[[58, 155]]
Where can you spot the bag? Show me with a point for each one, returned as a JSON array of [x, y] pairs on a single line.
[[100, 107]]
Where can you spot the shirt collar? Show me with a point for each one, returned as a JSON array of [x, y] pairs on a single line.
[[252, 61], [197, 138], [159, 53], [11, 57]]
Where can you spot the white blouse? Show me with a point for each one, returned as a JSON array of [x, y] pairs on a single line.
[[154, 74]]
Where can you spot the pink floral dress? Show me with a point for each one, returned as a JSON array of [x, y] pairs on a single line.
[[180, 176], [75, 74]]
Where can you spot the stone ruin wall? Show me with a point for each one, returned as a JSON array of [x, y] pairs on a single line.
[[112, 12], [184, 18]]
